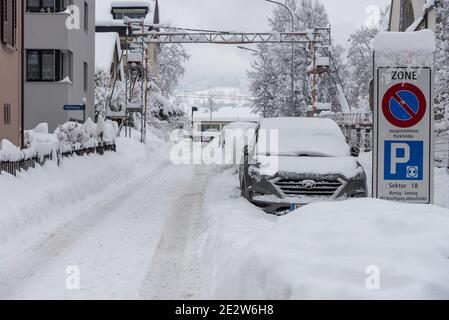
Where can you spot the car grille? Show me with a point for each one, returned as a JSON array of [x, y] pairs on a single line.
[[294, 188]]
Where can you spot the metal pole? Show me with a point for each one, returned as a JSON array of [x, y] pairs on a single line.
[[142, 94], [293, 51], [126, 81]]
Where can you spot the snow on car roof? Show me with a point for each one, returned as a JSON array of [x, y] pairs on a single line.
[[304, 136]]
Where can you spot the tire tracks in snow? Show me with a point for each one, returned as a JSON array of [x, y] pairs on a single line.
[[175, 271], [16, 270]]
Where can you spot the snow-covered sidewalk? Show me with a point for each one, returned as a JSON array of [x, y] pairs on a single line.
[[324, 250]]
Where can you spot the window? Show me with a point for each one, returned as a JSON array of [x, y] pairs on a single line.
[[7, 114], [8, 22], [86, 76], [210, 127], [45, 6], [131, 13], [86, 17], [48, 65], [407, 14]]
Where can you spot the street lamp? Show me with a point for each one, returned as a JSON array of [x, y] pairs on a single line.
[[194, 109], [247, 49], [293, 49]]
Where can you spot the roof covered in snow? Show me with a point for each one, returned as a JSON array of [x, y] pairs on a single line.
[[106, 44], [226, 114], [103, 11]]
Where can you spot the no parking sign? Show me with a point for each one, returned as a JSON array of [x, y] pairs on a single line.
[[403, 158]]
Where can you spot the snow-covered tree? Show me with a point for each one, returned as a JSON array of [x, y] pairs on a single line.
[[103, 92], [172, 59], [361, 66], [442, 60], [270, 76]]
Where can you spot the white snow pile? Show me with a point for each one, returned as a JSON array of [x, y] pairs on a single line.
[[10, 152], [324, 250], [44, 198], [76, 136], [404, 49]]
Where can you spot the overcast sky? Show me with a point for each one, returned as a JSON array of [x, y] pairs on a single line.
[[213, 65]]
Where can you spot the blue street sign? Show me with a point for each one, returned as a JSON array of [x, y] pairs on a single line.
[[74, 107], [404, 160]]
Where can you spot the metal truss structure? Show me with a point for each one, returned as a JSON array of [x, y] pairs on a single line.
[[228, 37]]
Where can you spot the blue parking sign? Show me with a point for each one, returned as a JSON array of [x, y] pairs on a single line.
[[404, 160]]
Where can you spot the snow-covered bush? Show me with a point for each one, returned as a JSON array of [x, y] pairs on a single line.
[[9, 152], [39, 142], [75, 136]]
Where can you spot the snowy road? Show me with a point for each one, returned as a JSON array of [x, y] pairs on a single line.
[[140, 242]]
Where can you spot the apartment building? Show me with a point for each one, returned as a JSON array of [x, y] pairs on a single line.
[[59, 60], [10, 71], [110, 17]]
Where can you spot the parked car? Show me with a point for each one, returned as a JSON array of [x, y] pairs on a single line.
[[308, 161], [233, 139], [210, 135]]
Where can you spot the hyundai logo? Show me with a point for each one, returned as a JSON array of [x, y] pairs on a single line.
[[309, 184]]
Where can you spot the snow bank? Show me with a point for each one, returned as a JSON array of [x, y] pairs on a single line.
[[41, 199], [323, 250]]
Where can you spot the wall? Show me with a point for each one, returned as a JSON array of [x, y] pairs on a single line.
[[10, 86], [44, 101]]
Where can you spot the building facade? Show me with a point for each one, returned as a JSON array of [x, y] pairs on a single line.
[[110, 17], [59, 60], [10, 71], [412, 15]]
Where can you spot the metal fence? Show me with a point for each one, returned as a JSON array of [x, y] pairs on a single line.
[[15, 166]]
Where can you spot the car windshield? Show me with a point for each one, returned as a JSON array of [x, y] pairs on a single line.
[[312, 137]]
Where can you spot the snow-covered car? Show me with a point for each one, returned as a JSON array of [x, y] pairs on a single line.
[[297, 161], [209, 135], [240, 130]]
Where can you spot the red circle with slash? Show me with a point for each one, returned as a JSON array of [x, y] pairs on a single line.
[[400, 97]]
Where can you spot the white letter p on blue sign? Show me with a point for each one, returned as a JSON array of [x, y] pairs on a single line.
[[395, 159]]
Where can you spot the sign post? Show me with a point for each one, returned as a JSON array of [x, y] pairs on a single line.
[[76, 107], [403, 161]]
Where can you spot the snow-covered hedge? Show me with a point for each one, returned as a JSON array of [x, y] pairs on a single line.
[[76, 136], [68, 137]]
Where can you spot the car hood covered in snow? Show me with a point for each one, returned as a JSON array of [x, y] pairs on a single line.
[[299, 166]]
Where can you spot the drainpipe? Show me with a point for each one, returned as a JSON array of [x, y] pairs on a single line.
[[22, 70]]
